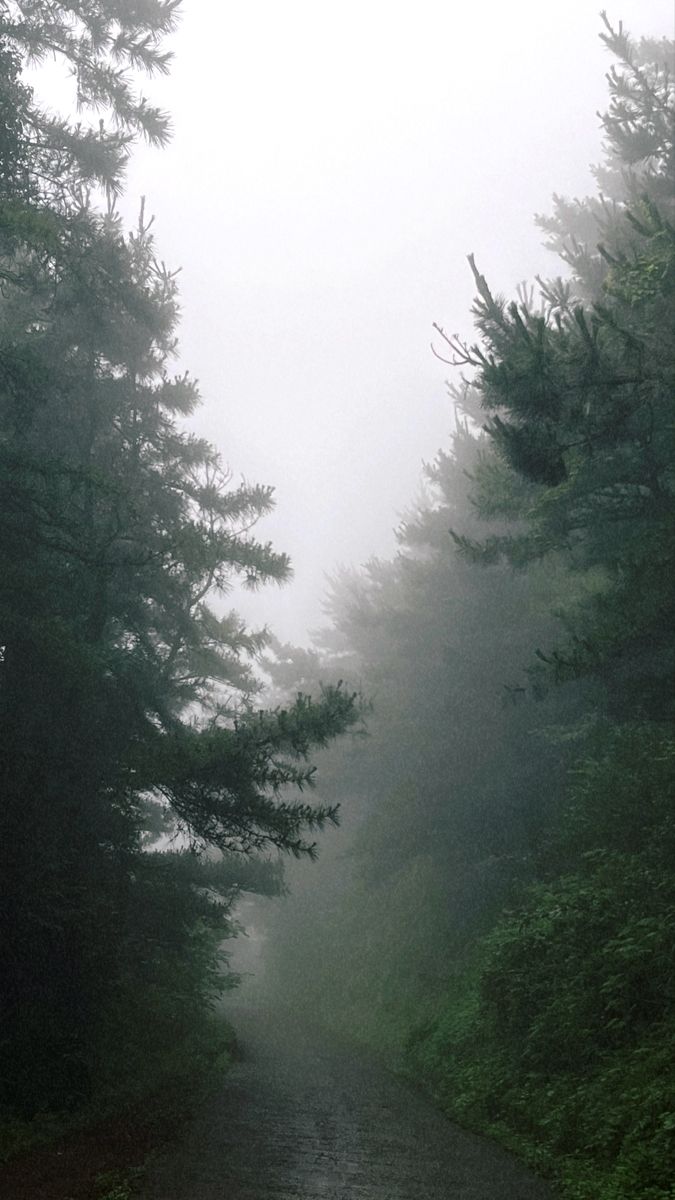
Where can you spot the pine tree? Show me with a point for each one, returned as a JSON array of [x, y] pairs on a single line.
[[561, 1039], [103, 44], [577, 392], [127, 697]]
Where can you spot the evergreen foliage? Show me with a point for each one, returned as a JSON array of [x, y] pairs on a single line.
[[127, 699], [535, 1003], [498, 919], [102, 44], [446, 801], [578, 395]]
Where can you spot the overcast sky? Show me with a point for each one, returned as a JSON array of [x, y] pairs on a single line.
[[331, 167]]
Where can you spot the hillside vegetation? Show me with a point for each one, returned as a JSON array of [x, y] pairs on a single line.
[[500, 919]]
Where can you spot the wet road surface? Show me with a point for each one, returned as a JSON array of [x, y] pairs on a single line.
[[302, 1119]]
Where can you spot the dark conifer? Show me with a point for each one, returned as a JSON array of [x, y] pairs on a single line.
[[127, 696]]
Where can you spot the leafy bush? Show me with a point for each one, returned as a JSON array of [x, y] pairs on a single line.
[[560, 1034]]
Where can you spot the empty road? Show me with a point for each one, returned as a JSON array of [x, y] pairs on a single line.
[[299, 1118]]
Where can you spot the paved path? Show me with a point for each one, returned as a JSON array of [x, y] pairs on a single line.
[[299, 1119]]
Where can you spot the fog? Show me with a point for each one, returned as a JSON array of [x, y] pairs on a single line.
[[478, 745], [328, 174]]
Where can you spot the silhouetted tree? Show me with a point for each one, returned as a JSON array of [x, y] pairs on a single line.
[[127, 700], [578, 394]]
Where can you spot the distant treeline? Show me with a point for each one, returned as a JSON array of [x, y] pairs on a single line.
[[499, 916], [138, 780]]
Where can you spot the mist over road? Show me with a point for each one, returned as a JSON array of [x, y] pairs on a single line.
[[300, 1118]]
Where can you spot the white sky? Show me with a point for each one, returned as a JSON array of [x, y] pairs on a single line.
[[331, 167]]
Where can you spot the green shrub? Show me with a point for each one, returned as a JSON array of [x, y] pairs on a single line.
[[559, 1034]]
